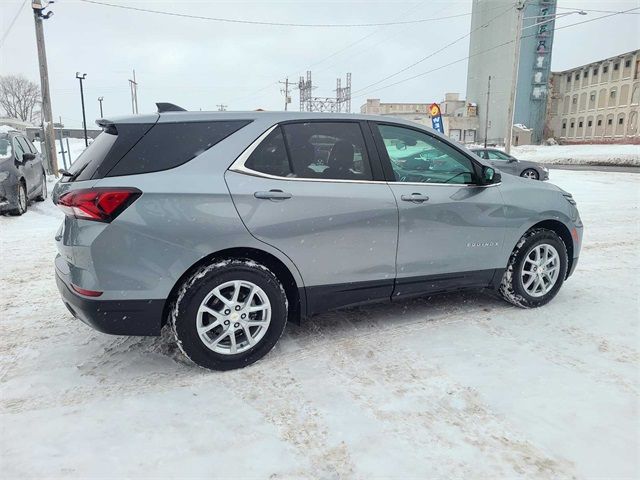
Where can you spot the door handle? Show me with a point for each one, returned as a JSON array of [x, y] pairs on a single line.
[[273, 195], [415, 198]]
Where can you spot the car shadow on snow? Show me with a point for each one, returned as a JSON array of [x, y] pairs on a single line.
[[135, 356]]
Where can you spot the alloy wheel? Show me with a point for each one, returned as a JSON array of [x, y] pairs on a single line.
[[540, 270], [233, 317], [530, 174]]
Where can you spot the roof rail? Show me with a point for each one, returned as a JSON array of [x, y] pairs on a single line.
[[168, 107]]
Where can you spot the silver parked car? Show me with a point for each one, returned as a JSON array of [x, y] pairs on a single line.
[[227, 225], [509, 164]]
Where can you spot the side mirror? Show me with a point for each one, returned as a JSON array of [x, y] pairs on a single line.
[[512, 160], [490, 176], [28, 156]]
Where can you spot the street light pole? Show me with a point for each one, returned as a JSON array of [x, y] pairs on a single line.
[[100, 100], [84, 118], [486, 114]]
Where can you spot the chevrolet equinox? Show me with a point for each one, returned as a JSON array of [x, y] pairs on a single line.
[[224, 226]]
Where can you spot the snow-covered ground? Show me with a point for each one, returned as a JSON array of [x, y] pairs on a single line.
[[455, 386], [627, 155]]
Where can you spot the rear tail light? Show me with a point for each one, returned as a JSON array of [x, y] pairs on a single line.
[[98, 204]]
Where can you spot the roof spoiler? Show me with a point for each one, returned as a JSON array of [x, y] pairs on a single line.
[[168, 107]]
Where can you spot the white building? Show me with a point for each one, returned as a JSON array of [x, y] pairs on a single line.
[[598, 102]]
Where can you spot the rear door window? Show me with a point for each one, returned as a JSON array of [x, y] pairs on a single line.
[[327, 150], [168, 145], [322, 150]]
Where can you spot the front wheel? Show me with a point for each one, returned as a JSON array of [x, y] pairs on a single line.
[[536, 270], [229, 314], [21, 200], [530, 173]]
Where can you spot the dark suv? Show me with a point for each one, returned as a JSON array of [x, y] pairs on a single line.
[[22, 175]]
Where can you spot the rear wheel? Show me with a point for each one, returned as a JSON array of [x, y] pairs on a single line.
[[43, 190], [21, 200], [530, 173], [229, 314], [537, 269]]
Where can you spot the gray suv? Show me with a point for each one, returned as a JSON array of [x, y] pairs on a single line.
[[227, 225]]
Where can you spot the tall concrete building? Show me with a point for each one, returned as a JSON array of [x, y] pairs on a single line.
[[491, 53], [598, 102]]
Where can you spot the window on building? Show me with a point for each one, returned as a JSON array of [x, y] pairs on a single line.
[[568, 78], [595, 71], [589, 123], [627, 63], [605, 68], [564, 125], [599, 123], [574, 100], [610, 121], [616, 66], [592, 97], [579, 124], [585, 74], [612, 94], [620, 121], [578, 76], [573, 124]]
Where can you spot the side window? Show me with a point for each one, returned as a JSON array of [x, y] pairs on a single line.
[[418, 157], [270, 156], [18, 148], [327, 150], [24, 143]]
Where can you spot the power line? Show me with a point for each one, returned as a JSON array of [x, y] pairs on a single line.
[[273, 24], [6, 34], [599, 11], [482, 52], [435, 52]]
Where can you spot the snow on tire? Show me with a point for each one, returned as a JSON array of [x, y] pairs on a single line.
[[536, 270], [229, 314]]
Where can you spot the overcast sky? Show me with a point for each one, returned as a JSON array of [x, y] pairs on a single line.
[[198, 64]]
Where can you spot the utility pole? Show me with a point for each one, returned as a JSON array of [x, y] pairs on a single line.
[[221, 107], [514, 76], [486, 113], [287, 98], [47, 121], [84, 117], [133, 85], [100, 100]]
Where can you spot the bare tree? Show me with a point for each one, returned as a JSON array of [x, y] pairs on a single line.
[[19, 97]]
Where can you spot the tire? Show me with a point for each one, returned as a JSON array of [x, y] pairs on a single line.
[[21, 200], [43, 190], [200, 297], [523, 270], [530, 173]]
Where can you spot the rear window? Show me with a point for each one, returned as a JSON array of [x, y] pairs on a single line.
[[168, 145], [93, 154]]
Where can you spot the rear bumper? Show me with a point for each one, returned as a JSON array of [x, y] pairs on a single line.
[[116, 317]]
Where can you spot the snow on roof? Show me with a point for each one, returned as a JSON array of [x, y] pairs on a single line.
[[6, 129], [521, 126]]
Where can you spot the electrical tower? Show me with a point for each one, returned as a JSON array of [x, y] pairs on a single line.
[[340, 103]]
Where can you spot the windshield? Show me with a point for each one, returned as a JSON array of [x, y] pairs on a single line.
[[5, 147]]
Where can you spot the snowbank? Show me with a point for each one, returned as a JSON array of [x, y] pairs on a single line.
[[628, 155]]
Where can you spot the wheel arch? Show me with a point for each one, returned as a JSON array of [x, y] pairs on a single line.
[[295, 293], [563, 232]]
